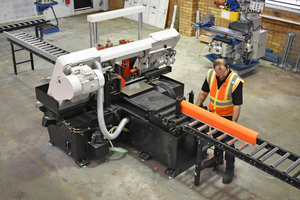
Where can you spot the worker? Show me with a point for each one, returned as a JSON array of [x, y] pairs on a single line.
[[226, 97]]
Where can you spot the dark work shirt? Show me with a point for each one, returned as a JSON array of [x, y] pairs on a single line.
[[237, 95]]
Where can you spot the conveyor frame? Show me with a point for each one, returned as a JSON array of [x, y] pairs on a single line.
[[248, 158], [34, 46]]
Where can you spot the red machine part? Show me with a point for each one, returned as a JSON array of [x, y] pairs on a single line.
[[68, 2], [122, 80], [126, 63], [109, 43], [100, 47], [219, 3]]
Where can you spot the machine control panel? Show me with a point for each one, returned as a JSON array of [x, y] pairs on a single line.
[[256, 6]]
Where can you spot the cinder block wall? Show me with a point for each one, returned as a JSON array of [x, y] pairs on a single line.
[[277, 29], [187, 15], [208, 7], [188, 8], [172, 3]]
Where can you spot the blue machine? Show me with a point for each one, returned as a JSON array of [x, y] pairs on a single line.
[[233, 40], [243, 42], [41, 6], [231, 5], [199, 25], [212, 57]]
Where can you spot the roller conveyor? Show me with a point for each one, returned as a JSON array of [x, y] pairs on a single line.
[[36, 46], [258, 155], [22, 23], [263, 149]]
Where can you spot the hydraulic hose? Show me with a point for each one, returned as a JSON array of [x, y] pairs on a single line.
[[100, 114]]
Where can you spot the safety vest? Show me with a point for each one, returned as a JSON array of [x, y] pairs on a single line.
[[221, 99]]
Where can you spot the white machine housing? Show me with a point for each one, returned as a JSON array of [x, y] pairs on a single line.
[[76, 75]]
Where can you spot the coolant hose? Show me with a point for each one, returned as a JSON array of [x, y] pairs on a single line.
[[100, 114]]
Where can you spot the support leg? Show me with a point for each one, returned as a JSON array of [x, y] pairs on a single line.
[[37, 31], [41, 32], [219, 156], [14, 58], [198, 161], [31, 60], [140, 33], [93, 35]]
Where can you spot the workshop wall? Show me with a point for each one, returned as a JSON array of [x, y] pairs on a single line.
[[18, 9], [187, 14], [278, 29], [208, 7], [116, 4], [172, 3]]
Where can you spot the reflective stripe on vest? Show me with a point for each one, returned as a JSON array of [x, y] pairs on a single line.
[[221, 99]]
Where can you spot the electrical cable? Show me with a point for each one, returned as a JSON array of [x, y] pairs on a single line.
[[111, 144], [252, 25], [203, 51], [123, 156], [258, 27], [54, 15], [116, 149]]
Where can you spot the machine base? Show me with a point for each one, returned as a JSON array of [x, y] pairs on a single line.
[[247, 70], [50, 28]]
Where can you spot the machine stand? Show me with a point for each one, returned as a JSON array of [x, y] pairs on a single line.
[[13, 50], [98, 150], [145, 156], [247, 70], [171, 173], [41, 6], [50, 28], [82, 163]]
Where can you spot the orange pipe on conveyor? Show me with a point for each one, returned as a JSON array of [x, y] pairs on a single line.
[[218, 122]]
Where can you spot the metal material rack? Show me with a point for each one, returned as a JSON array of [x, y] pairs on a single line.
[[37, 22], [35, 46], [266, 149], [290, 59]]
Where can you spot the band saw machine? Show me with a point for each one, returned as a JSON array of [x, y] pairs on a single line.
[[85, 100], [92, 102]]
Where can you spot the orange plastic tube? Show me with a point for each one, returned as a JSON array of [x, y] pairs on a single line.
[[236, 130]]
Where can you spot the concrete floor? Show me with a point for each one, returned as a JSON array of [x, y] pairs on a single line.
[[32, 169]]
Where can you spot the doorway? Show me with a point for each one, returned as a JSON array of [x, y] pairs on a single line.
[[82, 4]]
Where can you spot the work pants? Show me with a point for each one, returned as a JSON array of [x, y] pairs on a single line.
[[228, 156]]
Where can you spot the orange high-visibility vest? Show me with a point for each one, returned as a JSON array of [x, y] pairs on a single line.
[[221, 99]]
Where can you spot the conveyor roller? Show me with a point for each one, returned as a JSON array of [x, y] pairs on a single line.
[[37, 46], [263, 150]]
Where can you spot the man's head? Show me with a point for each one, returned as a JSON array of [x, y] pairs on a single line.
[[221, 68]]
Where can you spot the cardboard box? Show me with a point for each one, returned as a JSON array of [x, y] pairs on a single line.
[[204, 38]]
